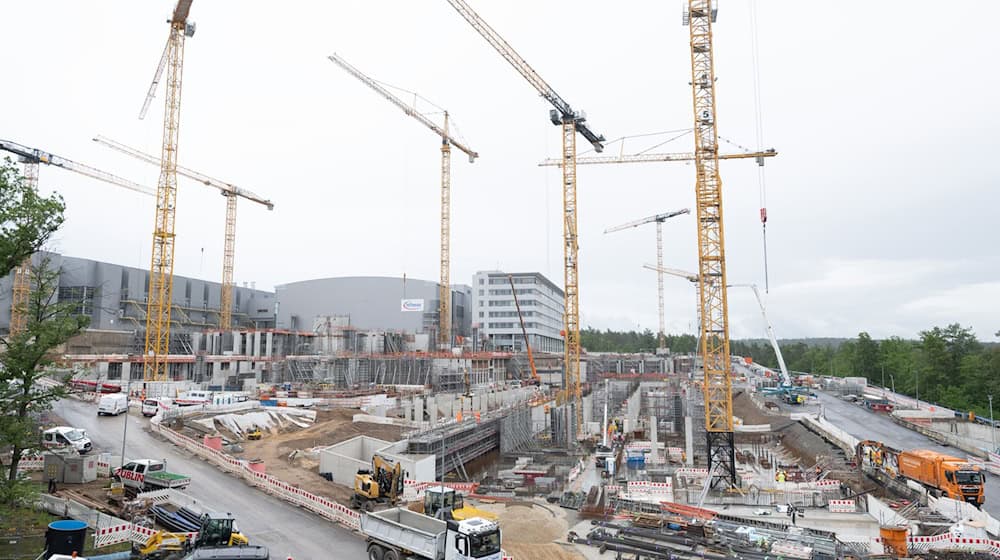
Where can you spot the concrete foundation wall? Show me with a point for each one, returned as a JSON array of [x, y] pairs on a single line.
[[343, 460]]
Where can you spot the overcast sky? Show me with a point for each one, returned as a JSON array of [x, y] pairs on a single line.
[[882, 203]]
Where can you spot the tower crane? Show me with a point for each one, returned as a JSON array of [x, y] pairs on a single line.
[[572, 122], [698, 16], [444, 306], [658, 219], [231, 192], [689, 276], [658, 157], [161, 269], [31, 158]]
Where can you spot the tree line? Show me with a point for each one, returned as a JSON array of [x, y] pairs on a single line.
[[945, 365]]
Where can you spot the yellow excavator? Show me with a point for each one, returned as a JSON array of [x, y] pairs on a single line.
[[446, 503], [255, 433], [216, 530], [382, 484]]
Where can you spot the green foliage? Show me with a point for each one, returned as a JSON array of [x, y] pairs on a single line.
[[23, 393], [27, 220]]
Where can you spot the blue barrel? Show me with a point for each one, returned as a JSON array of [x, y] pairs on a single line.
[[65, 537]]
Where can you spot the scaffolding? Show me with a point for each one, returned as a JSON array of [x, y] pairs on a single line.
[[457, 444]]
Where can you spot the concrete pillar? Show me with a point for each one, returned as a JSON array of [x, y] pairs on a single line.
[[588, 409], [418, 409], [653, 439], [689, 440], [432, 410], [483, 405]]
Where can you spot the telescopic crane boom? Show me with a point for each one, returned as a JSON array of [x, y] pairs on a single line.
[[571, 121], [444, 287], [786, 379], [161, 269], [524, 332], [31, 158], [658, 219], [231, 192]]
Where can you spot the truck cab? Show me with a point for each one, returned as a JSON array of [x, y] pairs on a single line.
[[964, 483], [474, 538]]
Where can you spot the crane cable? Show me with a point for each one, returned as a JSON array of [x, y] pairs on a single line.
[[759, 130]]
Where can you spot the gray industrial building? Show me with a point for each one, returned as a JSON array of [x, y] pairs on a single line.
[[371, 302], [495, 315], [114, 297]]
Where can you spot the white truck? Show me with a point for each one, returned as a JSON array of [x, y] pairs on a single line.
[[398, 533], [65, 436], [150, 474]]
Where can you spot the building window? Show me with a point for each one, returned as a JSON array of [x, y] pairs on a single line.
[[480, 314], [114, 370], [480, 283], [82, 296], [481, 291]]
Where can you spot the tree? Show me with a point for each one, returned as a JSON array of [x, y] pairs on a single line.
[[866, 357], [23, 392], [27, 219]]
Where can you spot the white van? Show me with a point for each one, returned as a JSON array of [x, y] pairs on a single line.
[[65, 436], [151, 406], [113, 404]]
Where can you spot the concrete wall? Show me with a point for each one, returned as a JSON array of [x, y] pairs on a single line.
[[343, 459]]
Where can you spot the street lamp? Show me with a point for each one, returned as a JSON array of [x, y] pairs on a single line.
[[993, 430], [893, 380]]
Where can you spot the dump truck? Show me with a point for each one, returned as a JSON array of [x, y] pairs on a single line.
[[150, 474], [398, 533], [940, 474]]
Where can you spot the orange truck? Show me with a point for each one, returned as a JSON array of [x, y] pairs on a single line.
[[950, 476], [942, 475]]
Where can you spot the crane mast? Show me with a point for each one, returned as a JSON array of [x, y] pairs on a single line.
[[571, 123], [161, 269], [711, 251], [658, 219], [21, 288], [231, 192], [444, 285]]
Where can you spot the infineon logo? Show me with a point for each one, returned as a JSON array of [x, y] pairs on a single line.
[[408, 305]]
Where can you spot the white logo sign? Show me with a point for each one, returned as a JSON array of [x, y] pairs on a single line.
[[411, 305]]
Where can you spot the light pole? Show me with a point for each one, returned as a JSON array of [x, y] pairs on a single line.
[[128, 389], [883, 376], [916, 383], [893, 380], [993, 430]]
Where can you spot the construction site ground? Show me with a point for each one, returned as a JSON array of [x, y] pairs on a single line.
[[332, 426], [531, 529]]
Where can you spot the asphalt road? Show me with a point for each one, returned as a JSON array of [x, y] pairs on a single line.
[[864, 424], [286, 530]]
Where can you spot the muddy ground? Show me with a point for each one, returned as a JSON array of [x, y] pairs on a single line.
[[331, 426]]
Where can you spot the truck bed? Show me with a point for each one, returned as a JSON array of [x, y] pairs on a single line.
[[168, 479], [408, 530]]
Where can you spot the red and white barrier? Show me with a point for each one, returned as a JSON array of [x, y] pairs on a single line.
[[31, 463], [842, 506]]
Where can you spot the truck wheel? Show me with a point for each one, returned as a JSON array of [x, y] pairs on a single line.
[[390, 554], [375, 552]]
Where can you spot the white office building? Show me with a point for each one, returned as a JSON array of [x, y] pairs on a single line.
[[494, 315]]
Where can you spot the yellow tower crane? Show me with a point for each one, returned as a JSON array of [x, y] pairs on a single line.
[[161, 268], [571, 122], [228, 190], [658, 219], [698, 16], [444, 308], [31, 158]]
